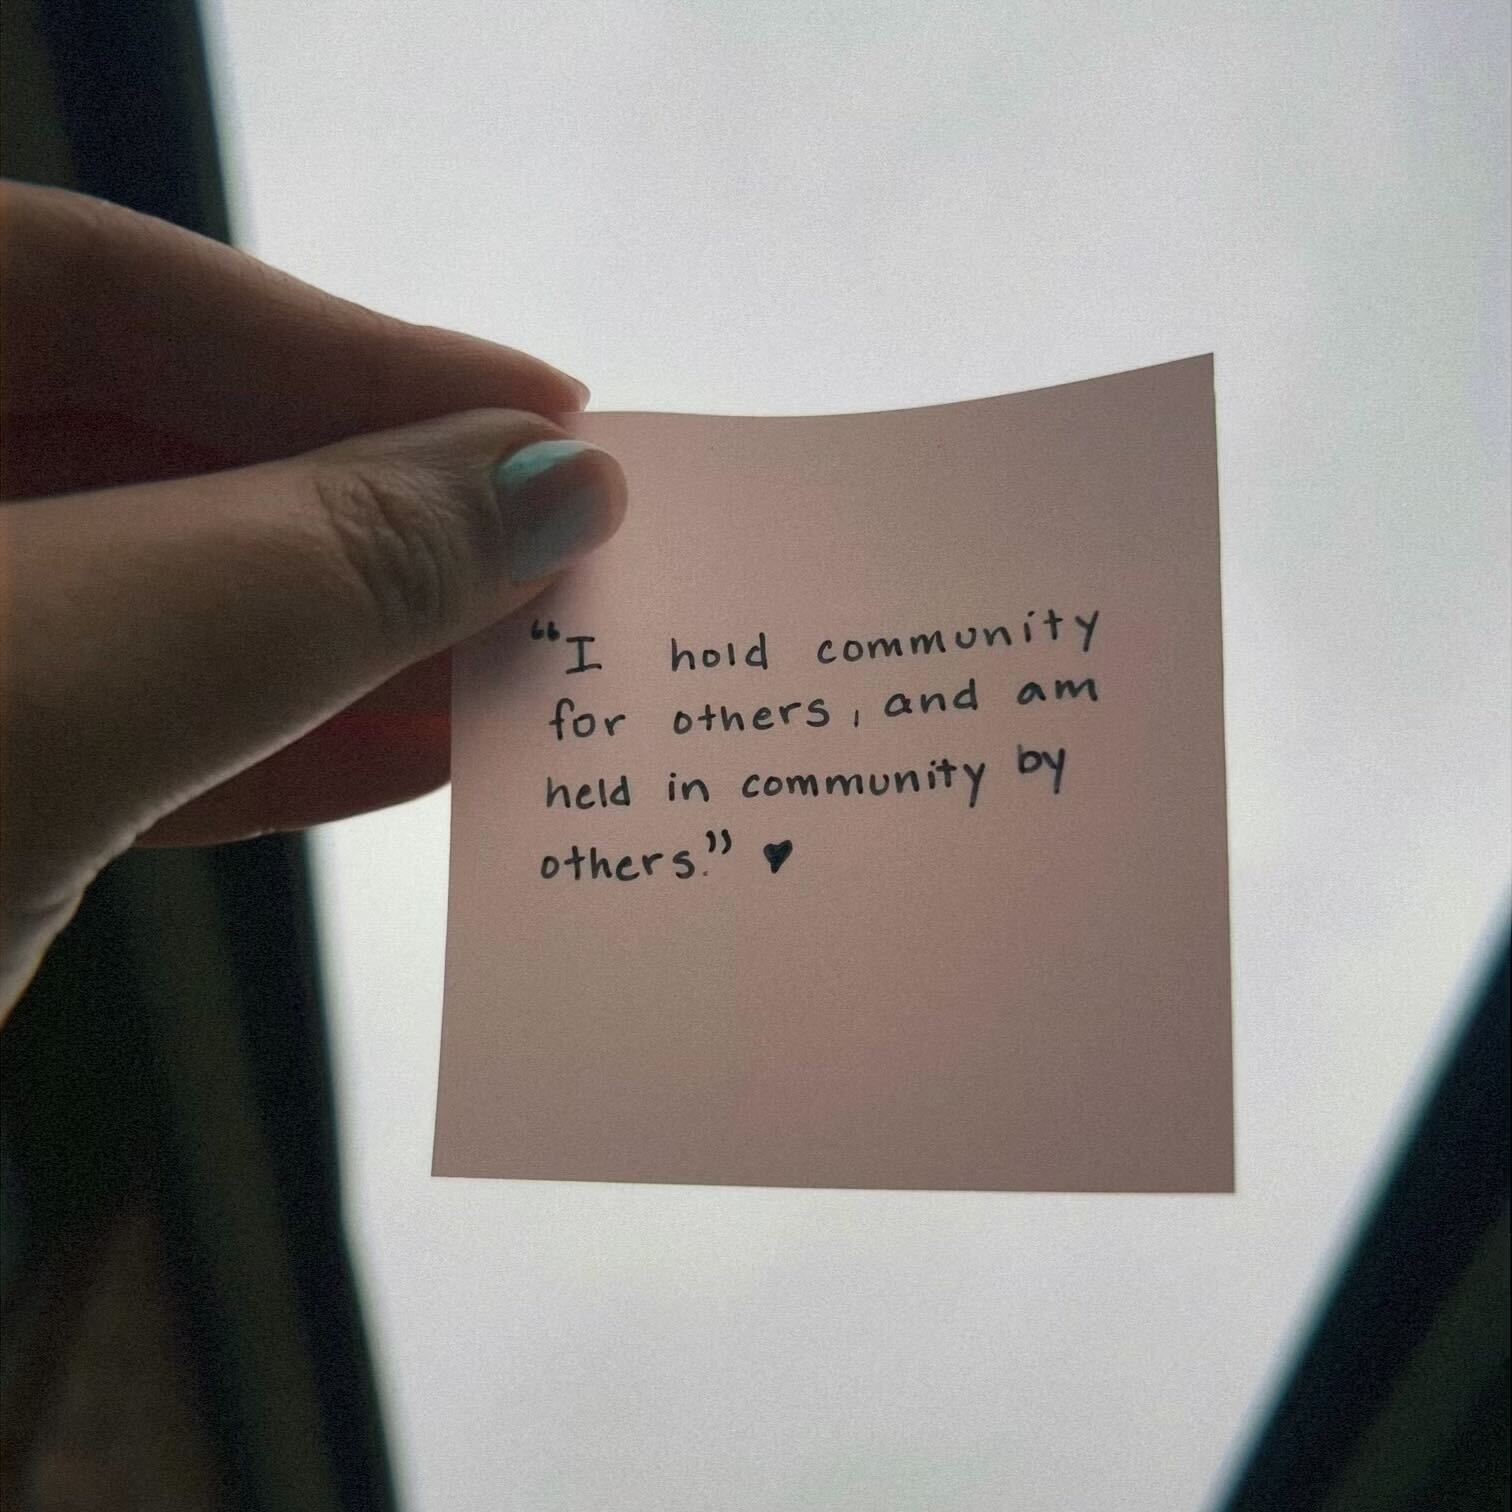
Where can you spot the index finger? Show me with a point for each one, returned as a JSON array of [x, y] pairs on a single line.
[[131, 349]]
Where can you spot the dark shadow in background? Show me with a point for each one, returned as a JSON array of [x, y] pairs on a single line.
[[1400, 1398], [172, 1054], [170, 1062]]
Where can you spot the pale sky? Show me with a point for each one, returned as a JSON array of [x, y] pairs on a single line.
[[818, 207]]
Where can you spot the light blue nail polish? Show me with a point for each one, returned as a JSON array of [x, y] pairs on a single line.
[[562, 496]]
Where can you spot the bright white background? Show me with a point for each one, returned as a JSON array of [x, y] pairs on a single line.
[[825, 206]]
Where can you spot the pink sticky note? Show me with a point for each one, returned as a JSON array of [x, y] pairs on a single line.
[[922, 877]]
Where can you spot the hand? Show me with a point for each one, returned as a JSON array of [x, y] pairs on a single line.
[[220, 614]]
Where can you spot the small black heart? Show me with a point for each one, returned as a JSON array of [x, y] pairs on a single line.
[[778, 853]]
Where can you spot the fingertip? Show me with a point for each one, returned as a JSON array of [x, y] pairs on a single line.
[[563, 497]]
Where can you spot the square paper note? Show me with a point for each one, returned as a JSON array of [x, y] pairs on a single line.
[[855, 818]]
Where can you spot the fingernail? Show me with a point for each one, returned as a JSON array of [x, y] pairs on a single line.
[[565, 498], [581, 389]]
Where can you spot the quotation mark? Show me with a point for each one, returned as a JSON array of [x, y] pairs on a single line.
[[549, 633], [777, 853], [713, 840]]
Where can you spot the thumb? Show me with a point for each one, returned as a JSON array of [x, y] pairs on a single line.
[[159, 638]]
